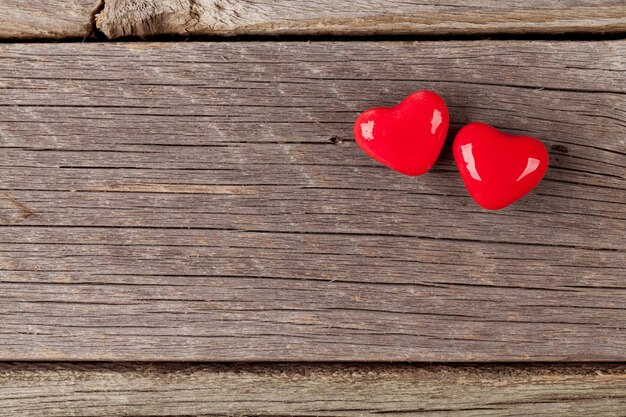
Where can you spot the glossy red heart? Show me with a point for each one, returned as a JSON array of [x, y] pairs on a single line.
[[498, 168], [408, 137]]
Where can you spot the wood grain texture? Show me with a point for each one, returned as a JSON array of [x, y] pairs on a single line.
[[48, 19], [205, 201], [362, 17], [311, 390]]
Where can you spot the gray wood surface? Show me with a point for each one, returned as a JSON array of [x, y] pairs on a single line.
[[47, 18], [58, 390], [360, 17], [206, 201], [55, 19]]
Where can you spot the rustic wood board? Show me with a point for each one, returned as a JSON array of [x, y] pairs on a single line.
[[48, 19], [205, 201], [311, 390], [361, 17], [54, 19]]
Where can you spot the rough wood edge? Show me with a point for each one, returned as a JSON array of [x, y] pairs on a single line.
[[121, 18]]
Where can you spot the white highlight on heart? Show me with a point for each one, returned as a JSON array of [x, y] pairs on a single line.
[[468, 156], [435, 122], [367, 130], [531, 167]]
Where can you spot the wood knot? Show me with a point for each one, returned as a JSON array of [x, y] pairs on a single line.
[[144, 18], [12, 211]]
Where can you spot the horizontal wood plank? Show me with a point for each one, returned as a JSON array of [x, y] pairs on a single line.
[[362, 17], [49, 19], [52, 390], [206, 201], [55, 19]]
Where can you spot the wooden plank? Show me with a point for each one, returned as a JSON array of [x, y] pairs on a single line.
[[56, 19], [205, 201], [362, 17], [47, 19], [52, 390]]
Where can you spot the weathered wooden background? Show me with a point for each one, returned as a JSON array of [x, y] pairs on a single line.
[[205, 201]]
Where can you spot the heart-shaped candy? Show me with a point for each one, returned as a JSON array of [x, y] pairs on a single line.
[[498, 168], [408, 137]]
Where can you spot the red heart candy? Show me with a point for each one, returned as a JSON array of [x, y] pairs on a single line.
[[408, 137], [498, 168]]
